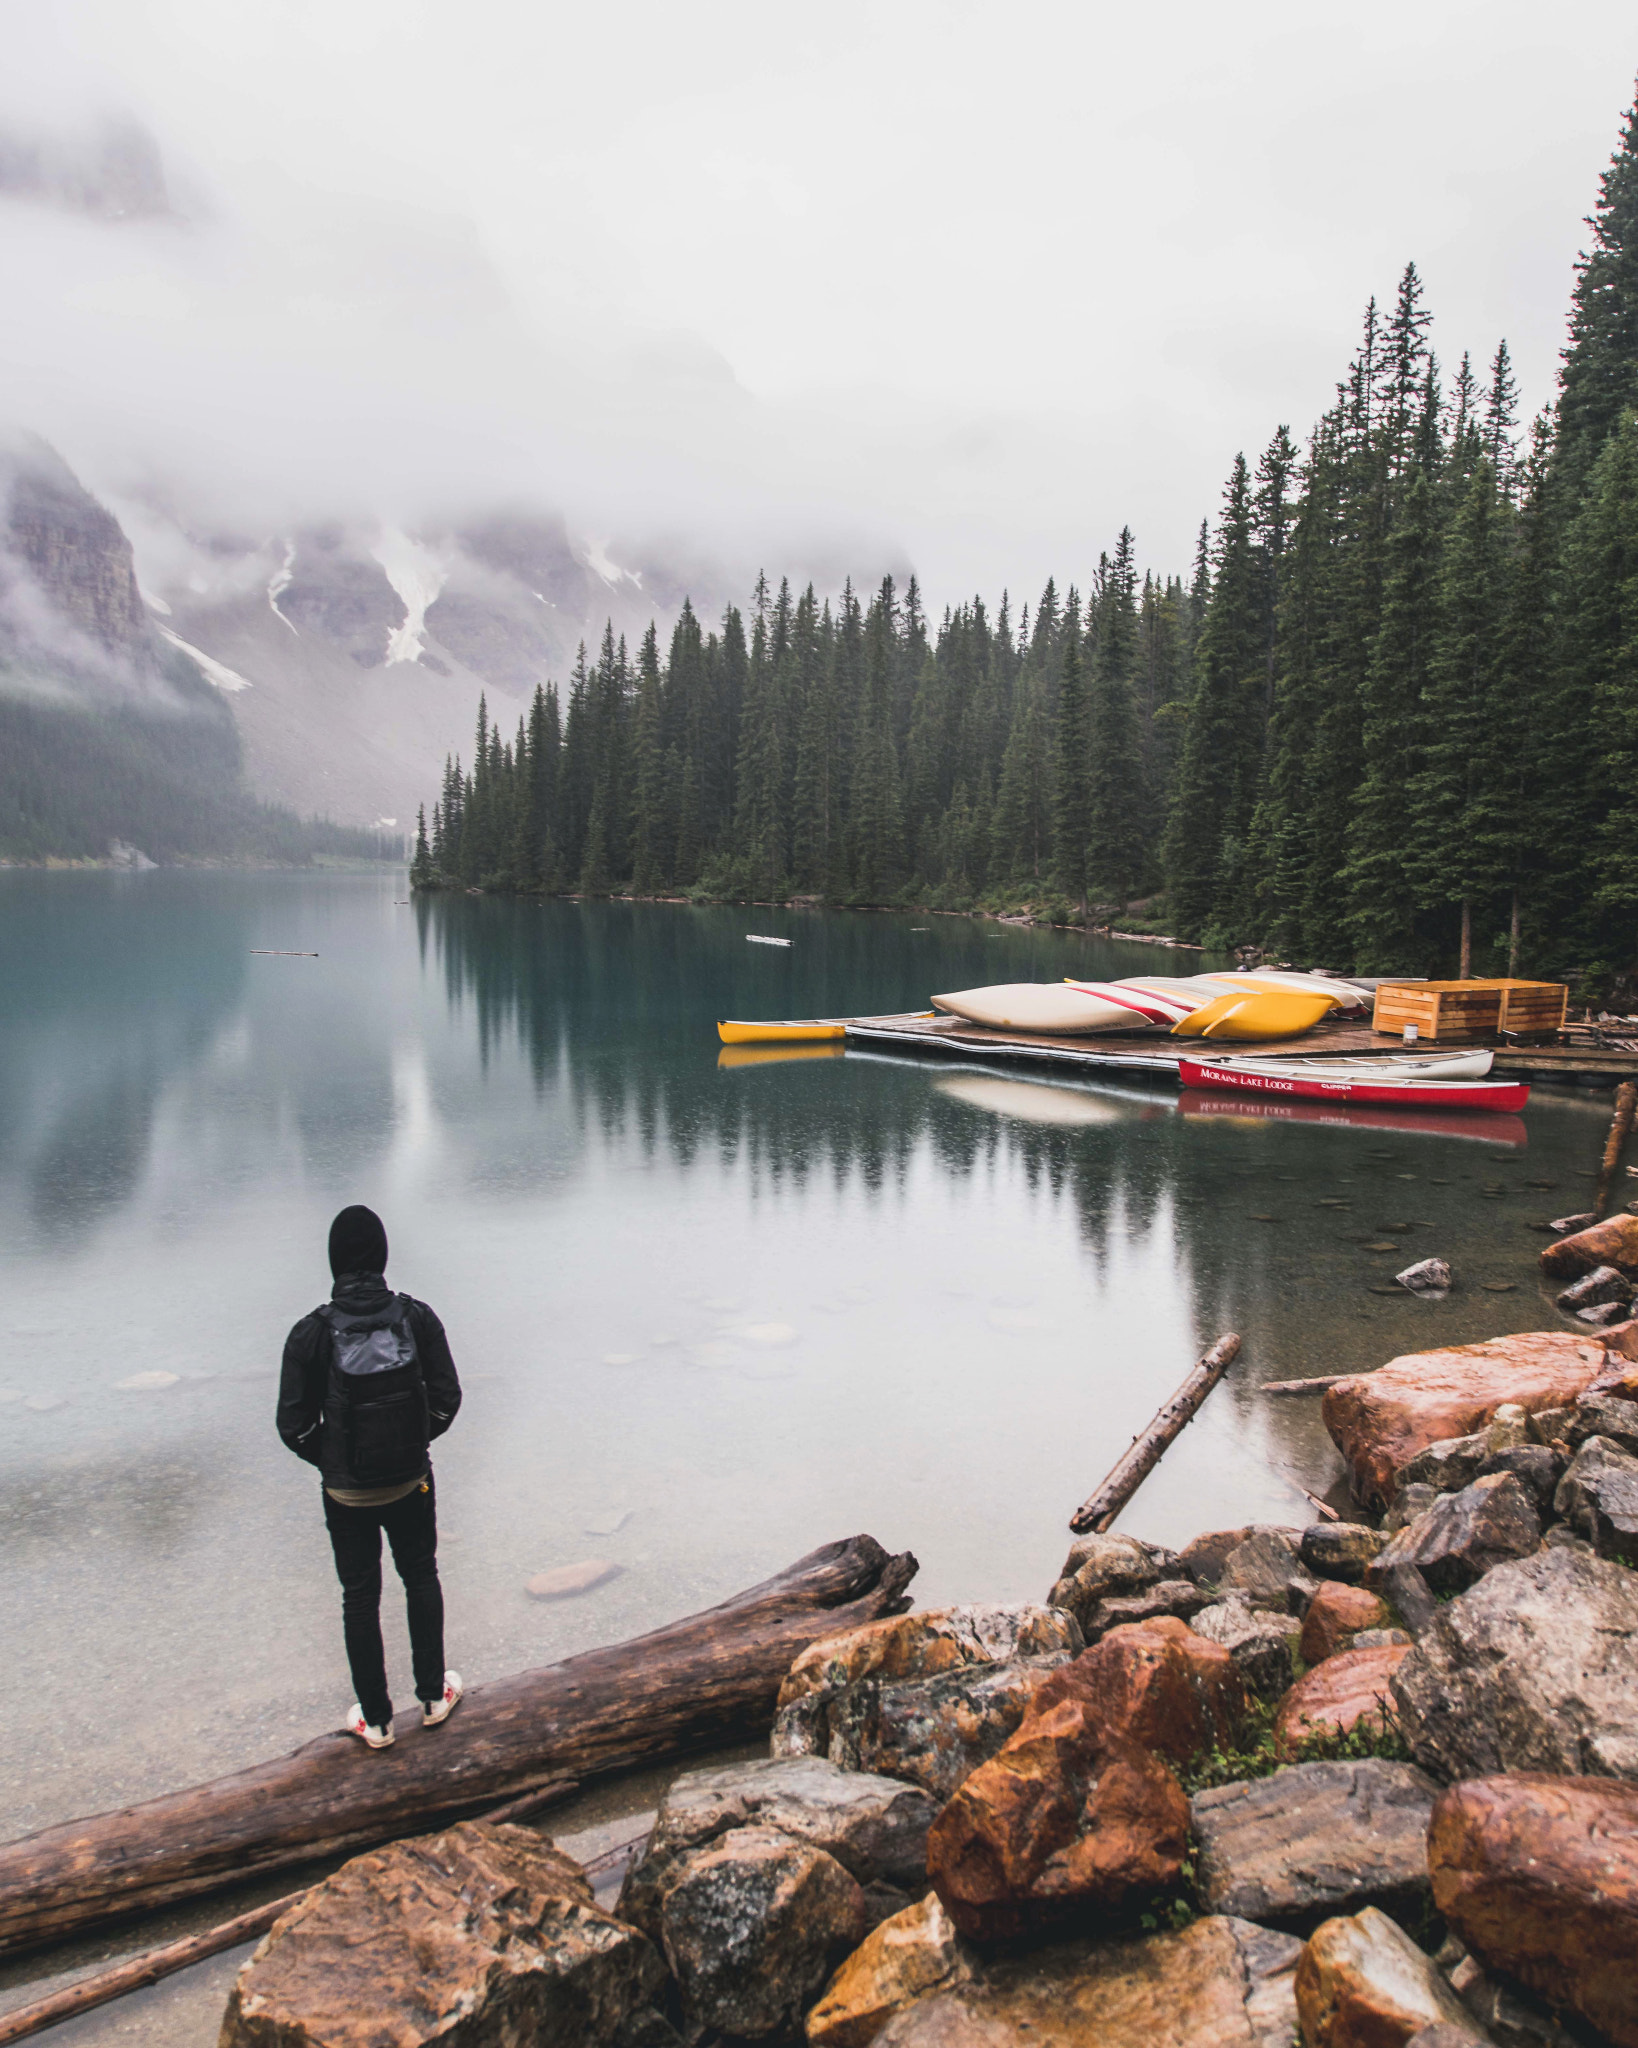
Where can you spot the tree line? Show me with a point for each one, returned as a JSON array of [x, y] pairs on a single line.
[[1389, 722]]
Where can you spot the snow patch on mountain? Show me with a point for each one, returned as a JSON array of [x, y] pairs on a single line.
[[279, 582], [417, 575], [213, 671]]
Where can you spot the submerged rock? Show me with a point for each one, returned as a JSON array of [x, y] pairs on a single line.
[[565, 1581], [1429, 1277], [1222, 1983], [1381, 1420], [1361, 1979], [1599, 1288], [1314, 1839], [1538, 1875], [1534, 1669], [481, 1932]]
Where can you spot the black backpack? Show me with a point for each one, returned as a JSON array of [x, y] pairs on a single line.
[[377, 1389]]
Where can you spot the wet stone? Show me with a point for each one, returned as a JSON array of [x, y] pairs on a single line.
[[1340, 1550], [1603, 1286], [1464, 1535], [1262, 1645], [1598, 1497]]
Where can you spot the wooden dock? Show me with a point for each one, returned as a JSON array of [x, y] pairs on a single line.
[[1159, 1054]]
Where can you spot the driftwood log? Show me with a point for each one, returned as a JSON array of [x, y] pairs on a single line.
[[1313, 1386], [1098, 1511], [701, 1682], [136, 1973], [1626, 1105]]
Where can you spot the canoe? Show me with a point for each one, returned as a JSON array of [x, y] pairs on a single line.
[[1292, 1079], [1265, 1013], [1158, 1007], [1051, 1006], [794, 1029], [1440, 1066]]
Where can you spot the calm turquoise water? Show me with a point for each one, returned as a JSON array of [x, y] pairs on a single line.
[[708, 1315]]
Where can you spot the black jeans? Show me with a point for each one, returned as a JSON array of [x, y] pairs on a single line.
[[355, 1536]]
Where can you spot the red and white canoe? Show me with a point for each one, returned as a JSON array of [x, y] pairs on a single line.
[[1453, 1081]]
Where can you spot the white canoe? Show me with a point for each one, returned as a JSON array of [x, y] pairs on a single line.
[[1052, 1006], [1447, 1066]]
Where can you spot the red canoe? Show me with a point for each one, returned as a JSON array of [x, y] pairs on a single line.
[[1287, 1078]]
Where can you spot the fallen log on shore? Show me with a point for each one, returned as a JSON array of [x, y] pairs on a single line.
[[1312, 1386], [136, 1973], [710, 1679], [1099, 1510]]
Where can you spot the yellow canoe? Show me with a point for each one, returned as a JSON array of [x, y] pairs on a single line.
[[796, 1031], [1265, 1014]]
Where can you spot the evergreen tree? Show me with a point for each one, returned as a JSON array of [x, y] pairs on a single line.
[[1072, 777], [1115, 799], [1600, 374]]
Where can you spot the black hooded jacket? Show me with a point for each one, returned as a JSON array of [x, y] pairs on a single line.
[[305, 1375]]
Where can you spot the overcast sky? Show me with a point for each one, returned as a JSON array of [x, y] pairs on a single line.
[[963, 286]]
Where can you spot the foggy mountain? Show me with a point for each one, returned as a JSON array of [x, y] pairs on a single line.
[[347, 649]]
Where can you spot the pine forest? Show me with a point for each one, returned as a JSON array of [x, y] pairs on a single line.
[[1386, 723]]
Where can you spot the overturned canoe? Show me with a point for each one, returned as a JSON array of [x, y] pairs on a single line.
[[1058, 1007], [1265, 1014]]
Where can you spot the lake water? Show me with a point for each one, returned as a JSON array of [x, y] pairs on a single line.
[[708, 1315]]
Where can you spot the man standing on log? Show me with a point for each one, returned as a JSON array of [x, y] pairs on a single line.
[[367, 1383]]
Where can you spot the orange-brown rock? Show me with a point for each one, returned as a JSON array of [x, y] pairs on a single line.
[[1381, 1420], [921, 1645], [1363, 1983], [482, 1932], [1155, 1683], [1335, 1613], [1062, 1819], [1221, 1983], [1348, 1688], [1539, 1876], [1614, 1242], [915, 1952]]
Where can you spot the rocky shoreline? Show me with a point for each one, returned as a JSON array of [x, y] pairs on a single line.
[[1362, 1784]]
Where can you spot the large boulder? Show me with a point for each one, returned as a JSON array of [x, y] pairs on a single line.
[[932, 1731], [1313, 1840], [1077, 1812], [1539, 1877], [915, 1952], [1534, 1669], [481, 1933], [1337, 1613], [1614, 1242], [1363, 1983], [921, 1696], [1221, 1983], [1381, 1420], [1464, 1535], [1349, 1688], [1598, 1496], [754, 1926], [875, 1828]]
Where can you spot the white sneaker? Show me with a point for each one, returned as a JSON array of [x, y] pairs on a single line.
[[434, 1711], [375, 1738]]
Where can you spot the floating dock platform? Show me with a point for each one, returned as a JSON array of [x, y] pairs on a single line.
[[1145, 1053]]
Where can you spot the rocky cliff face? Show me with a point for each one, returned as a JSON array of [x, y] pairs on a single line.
[[70, 556]]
